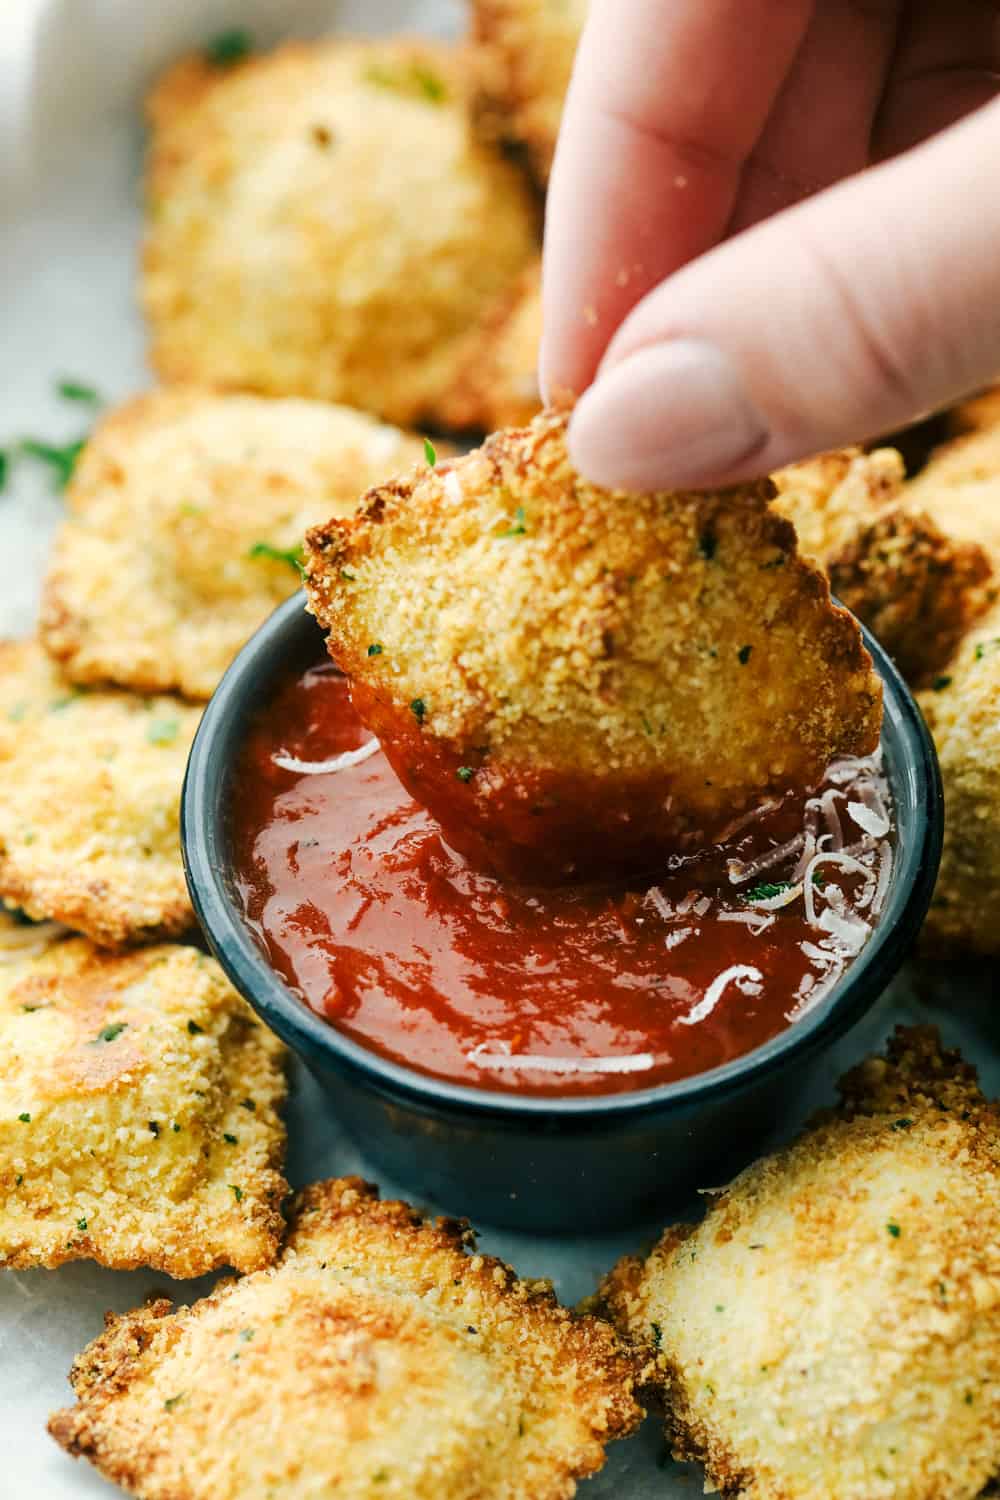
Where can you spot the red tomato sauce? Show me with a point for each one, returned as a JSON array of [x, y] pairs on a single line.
[[395, 940]]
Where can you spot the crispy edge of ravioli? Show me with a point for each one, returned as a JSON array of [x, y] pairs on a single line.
[[664, 660], [962, 710], [196, 503], [959, 488], [392, 1359], [139, 1114], [90, 786], [497, 383], [917, 588], [831, 1330], [523, 52]]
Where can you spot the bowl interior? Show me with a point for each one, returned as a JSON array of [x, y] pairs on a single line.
[[290, 641]]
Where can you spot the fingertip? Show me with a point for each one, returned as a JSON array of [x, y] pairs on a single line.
[[672, 416]]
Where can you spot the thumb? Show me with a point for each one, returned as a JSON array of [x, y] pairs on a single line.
[[839, 319]]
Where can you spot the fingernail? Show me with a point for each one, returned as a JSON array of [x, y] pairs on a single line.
[[672, 416]]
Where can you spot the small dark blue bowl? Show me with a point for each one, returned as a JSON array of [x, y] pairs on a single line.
[[538, 1163]]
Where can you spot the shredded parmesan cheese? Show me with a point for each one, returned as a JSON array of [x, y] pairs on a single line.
[[868, 819], [325, 767], [745, 977], [507, 1061]]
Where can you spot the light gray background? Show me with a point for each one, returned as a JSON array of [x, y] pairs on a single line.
[[71, 76]]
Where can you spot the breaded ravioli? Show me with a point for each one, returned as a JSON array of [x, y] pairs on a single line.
[[524, 58], [379, 1358], [323, 223], [917, 587], [90, 786], [831, 1331], [497, 383], [567, 675], [962, 709], [196, 505], [960, 488], [138, 1114]]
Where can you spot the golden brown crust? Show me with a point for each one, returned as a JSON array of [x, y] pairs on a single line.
[[139, 1121], [976, 413], [90, 788], [960, 489], [185, 517], [831, 1331], [390, 1360], [962, 710], [496, 385], [523, 59], [671, 648], [917, 588], [321, 223]]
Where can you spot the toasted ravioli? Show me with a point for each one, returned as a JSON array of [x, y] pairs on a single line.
[[497, 384], [90, 787], [197, 504], [918, 588], [960, 489], [568, 673], [976, 412], [138, 1114], [322, 223], [831, 1330], [524, 59], [389, 1361], [962, 709]]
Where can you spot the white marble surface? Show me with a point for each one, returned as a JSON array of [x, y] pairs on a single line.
[[69, 154]]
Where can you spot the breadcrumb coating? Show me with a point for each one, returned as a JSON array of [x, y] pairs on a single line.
[[917, 587], [975, 413], [553, 653], [523, 62], [322, 223], [831, 1330], [380, 1357], [197, 504], [90, 787], [960, 489], [962, 710], [138, 1114], [497, 384]]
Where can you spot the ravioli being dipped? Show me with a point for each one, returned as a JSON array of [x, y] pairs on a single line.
[[390, 1360], [569, 677]]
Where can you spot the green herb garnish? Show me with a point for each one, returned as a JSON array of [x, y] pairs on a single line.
[[162, 731], [109, 1033], [518, 528], [229, 1139], [229, 47], [25, 1118], [430, 452], [172, 1401], [375, 649], [414, 79], [61, 459], [940, 683], [744, 655], [657, 1335], [154, 1127], [768, 889], [465, 773], [75, 390], [418, 708], [237, 1192], [292, 557], [4, 466], [894, 1229], [81, 1224], [985, 646], [903, 1124], [194, 1029]]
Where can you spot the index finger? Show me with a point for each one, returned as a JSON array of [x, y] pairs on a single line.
[[667, 101]]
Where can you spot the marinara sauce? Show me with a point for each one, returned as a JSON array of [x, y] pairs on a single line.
[[391, 937]]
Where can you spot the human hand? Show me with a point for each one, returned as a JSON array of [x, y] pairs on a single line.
[[738, 296]]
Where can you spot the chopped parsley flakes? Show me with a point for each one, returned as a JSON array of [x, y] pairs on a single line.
[[744, 654], [418, 708], [430, 452], [76, 390], [61, 458], [465, 773], [292, 557], [172, 1401], [765, 891], [237, 1192], [412, 80], [940, 683], [894, 1229], [229, 1139], [24, 1118], [229, 47], [985, 647], [4, 466], [81, 1224], [375, 649], [109, 1033], [518, 528], [162, 731]]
